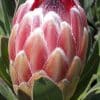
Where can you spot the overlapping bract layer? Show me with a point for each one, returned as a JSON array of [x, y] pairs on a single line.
[[45, 43]]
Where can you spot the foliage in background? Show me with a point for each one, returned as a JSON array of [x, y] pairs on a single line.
[[89, 85]]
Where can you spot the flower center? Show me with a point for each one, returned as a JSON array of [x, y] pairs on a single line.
[[56, 6], [68, 3], [61, 7]]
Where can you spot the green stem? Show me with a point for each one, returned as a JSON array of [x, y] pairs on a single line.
[[85, 93]]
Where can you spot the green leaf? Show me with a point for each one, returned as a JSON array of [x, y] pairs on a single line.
[[2, 26], [6, 17], [21, 1], [10, 7], [4, 49], [44, 89], [99, 41], [98, 72], [90, 68], [97, 8], [85, 93], [6, 91], [4, 73], [4, 61], [91, 93]]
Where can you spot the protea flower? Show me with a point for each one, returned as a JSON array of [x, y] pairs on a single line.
[[49, 38]]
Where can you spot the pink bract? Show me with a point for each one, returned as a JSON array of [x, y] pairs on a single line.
[[49, 38]]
